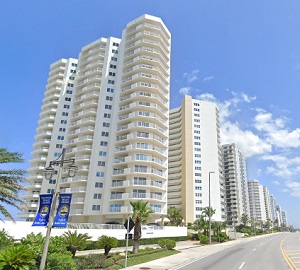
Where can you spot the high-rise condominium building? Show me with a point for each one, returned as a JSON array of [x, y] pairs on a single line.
[[110, 110], [235, 178], [194, 152], [284, 217], [256, 201], [268, 207]]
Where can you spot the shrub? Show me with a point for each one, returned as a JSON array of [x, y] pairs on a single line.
[[107, 243], [192, 236], [203, 238], [57, 261], [5, 239], [17, 257], [167, 243]]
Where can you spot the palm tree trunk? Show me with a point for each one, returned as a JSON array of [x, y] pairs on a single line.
[[136, 245]]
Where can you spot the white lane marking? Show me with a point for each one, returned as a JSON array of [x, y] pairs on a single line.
[[242, 265], [254, 249]]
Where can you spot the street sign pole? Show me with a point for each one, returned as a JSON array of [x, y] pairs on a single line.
[[127, 241]]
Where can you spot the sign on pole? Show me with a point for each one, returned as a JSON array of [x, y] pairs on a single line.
[[129, 224], [42, 216], [63, 210]]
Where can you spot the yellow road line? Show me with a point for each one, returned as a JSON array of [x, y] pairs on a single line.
[[286, 257]]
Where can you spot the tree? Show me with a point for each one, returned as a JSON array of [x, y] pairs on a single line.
[[206, 212], [11, 181], [245, 219], [175, 216], [17, 257], [107, 243], [141, 213], [201, 224], [75, 241]]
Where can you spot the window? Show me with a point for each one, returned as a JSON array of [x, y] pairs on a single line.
[[196, 110], [198, 174], [73, 71], [197, 161], [198, 216], [72, 78], [63, 121], [114, 59], [197, 168], [104, 133], [96, 207], [107, 115], [142, 145], [100, 174], [197, 114], [113, 66], [198, 194], [138, 168], [67, 99], [197, 143], [70, 84], [116, 44], [197, 131], [197, 137], [110, 90], [105, 124], [108, 107], [198, 201], [60, 137], [143, 134], [197, 181], [197, 149], [59, 146], [50, 190], [197, 126], [197, 155], [66, 106], [98, 185], [57, 154], [69, 91], [198, 188], [103, 143], [97, 195], [141, 157], [111, 81], [109, 98], [112, 74], [62, 129], [65, 114], [196, 104], [74, 65], [52, 181], [198, 208], [101, 163], [102, 154], [114, 51]]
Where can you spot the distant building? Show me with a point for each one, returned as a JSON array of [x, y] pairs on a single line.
[[284, 218], [256, 201], [235, 179], [194, 152]]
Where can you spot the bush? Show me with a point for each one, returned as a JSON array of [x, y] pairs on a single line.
[[167, 243], [57, 261], [203, 238], [192, 236]]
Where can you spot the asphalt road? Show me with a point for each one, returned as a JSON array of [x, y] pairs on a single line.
[[274, 252]]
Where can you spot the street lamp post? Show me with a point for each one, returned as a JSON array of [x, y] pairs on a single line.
[[48, 175], [209, 211]]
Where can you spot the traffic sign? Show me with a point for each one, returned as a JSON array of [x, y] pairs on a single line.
[[130, 223]]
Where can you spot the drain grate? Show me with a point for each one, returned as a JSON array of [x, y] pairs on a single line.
[[145, 268]]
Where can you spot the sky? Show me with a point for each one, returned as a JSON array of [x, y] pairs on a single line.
[[242, 55]]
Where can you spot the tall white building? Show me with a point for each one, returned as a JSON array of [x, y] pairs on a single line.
[[256, 201], [235, 179], [268, 206], [194, 151], [111, 113]]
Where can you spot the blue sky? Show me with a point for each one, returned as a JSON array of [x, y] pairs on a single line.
[[243, 55]]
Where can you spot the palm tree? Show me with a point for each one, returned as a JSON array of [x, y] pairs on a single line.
[[245, 219], [10, 183], [175, 216], [17, 257], [141, 213], [201, 224], [206, 212], [107, 243], [75, 241]]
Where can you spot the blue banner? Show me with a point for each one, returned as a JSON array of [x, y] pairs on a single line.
[[63, 210], [42, 216]]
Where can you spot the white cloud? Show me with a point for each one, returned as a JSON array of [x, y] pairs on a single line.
[[206, 97], [293, 188], [207, 78], [275, 131], [249, 143], [184, 90], [191, 76], [276, 183]]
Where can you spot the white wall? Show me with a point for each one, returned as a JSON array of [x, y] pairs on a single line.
[[20, 229]]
